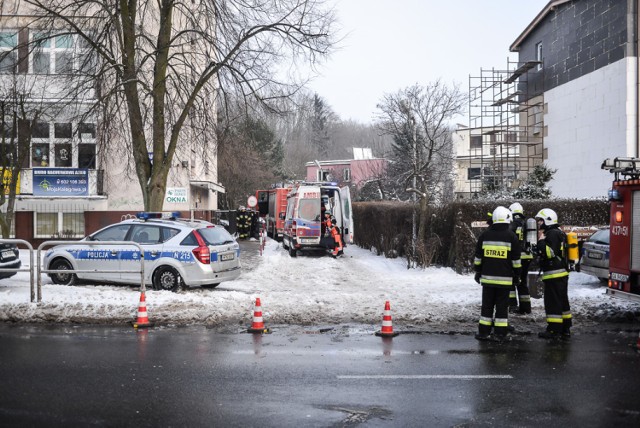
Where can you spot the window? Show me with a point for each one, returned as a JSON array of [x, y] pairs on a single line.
[[539, 55], [146, 234], [40, 130], [323, 175], [8, 53], [87, 131], [309, 209], [114, 233], [63, 155], [87, 156], [40, 155], [346, 174], [476, 142], [474, 173], [53, 54], [59, 225]]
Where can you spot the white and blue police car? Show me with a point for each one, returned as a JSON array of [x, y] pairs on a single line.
[[177, 252]]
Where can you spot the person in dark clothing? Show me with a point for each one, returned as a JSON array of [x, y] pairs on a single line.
[[519, 297], [497, 266], [552, 252]]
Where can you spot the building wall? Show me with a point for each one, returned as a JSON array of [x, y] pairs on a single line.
[[589, 119], [579, 37]]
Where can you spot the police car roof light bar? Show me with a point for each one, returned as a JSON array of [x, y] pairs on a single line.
[[161, 215]]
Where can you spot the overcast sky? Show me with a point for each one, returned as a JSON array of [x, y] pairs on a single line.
[[393, 44]]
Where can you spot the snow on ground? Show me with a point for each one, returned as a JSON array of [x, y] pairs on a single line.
[[310, 290]]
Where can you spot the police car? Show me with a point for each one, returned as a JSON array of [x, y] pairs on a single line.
[[176, 252]]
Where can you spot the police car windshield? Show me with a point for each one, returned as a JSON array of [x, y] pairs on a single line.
[[215, 235]]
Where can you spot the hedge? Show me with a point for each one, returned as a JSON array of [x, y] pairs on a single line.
[[386, 227]]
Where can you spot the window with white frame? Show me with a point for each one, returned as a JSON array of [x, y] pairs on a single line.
[[539, 55], [59, 225], [63, 145], [53, 54], [8, 52], [346, 174], [323, 175]]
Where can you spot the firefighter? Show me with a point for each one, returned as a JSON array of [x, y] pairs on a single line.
[[335, 234], [497, 266], [326, 223], [243, 223], [552, 253], [518, 226]]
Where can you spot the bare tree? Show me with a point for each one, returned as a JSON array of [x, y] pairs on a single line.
[[418, 120], [166, 61]]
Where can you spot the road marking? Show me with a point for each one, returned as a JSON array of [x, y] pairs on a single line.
[[425, 377]]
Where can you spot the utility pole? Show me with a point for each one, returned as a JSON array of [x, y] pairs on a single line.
[[414, 234]]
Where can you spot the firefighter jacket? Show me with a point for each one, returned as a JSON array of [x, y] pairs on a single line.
[[497, 256], [552, 250], [518, 226]]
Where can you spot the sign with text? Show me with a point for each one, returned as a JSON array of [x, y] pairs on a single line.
[[176, 195], [60, 182]]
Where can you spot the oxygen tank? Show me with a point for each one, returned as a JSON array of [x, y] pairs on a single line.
[[572, 244], [531, 234]]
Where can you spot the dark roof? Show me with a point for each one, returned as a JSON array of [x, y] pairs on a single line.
[[515, 46]]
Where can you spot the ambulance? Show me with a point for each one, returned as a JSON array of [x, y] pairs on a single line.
[[624, 222], [303, 218]]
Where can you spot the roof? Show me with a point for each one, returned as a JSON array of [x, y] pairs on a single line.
[[552, 5]]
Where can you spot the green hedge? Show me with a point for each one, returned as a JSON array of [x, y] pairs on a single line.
[[386, 227]]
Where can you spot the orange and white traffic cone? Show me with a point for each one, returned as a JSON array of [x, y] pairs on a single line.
[[257, 326], [143, 319], [387, 327]]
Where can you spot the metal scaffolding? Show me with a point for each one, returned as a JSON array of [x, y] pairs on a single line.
[[506, 125]]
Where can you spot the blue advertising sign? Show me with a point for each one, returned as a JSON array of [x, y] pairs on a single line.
[[60, 182]]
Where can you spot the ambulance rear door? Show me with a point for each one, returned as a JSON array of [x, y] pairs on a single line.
[[347, 215]]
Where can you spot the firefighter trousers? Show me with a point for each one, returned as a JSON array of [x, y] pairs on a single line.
[[519, 296], [556, 305], [494, 298]]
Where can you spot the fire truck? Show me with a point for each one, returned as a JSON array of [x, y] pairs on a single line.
[[624, 221], [272, 206]]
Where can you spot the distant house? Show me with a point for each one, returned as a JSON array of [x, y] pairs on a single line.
[[353, 172]]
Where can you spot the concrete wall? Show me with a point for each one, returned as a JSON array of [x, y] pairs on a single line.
[[589, 119]]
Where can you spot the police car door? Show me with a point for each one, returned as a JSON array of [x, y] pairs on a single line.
[[149, 236], [105, 257], [347, 215]]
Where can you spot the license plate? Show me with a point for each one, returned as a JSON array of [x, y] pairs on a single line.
[[619, 277], [597, 256], [308, 240], [7, 254], [226, 257]]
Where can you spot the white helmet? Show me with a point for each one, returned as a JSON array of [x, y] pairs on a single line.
[[501, 215], [548, 215], [516, 208]]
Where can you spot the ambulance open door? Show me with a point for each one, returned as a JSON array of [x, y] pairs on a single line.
[[347, 215]]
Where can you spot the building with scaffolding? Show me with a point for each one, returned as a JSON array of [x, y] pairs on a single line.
[[505, 137], [570, 101]]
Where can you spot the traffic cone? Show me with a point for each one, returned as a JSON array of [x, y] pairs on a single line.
[[257, 326], [387, 327], [143, 319]]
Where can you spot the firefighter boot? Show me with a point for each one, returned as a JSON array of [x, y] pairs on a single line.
[[549, 335]]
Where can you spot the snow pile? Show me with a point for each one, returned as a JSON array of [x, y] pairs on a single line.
[[308, 290]]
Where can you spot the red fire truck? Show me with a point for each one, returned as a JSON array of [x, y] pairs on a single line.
[[624, 221], [272, 206]]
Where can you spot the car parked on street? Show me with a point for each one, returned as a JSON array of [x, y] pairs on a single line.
[[9, 259], [594, 259], [176, 252]]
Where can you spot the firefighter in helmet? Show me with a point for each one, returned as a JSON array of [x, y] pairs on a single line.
[[497, 266], [522, 297], [552, 252]]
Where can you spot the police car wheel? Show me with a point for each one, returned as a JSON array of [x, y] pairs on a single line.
[[62, 278], [166, 278], [293, 252]]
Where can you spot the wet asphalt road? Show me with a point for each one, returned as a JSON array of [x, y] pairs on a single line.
[[118, 376]]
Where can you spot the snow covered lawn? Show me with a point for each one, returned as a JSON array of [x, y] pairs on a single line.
[[307, 291]]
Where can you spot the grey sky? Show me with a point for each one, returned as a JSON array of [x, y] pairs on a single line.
[[392, 44]]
